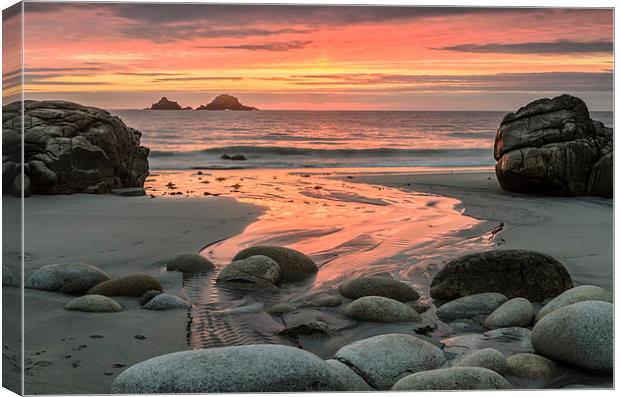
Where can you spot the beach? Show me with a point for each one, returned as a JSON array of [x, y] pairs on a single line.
[[357, 222]]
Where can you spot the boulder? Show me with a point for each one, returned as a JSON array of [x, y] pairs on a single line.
[[166, 302], [190, 263], [294, 265], [384, 359], [72, 278], [580, 334], [70, 148], [165, 104], [281, 308], [351, 380], [471, 306], [132, 285], [378, 286], [257, 271], [486, 358], [551, 146], [147, 296], [574, 295], [225, 102], [381, 310], [8, 278], [233, 369], [456, 378], [94, 303], [531, 366], [517, 312], [514, 273]]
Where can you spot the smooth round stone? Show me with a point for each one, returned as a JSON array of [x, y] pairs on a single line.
[[378, 286], [326, 301], [514, 273], [352, 381], [384, 359], [517, 312], [134, 285], [281, 308], [233, 369], [257, 271], [471, 306], [381, 310], [486, 358], [574, 295], [294, 265], [71, 278], [189, 263], [147, 296], [531, 366], [94, 303], [580, 334], [166, 302], [455, 378]]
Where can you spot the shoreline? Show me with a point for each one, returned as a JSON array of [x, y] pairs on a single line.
[[534, 222]]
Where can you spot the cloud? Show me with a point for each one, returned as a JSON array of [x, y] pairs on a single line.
[[185, 31], [556, 47], [508, 82], [62, 70], [276, 46], [199, 78], [68, 83]]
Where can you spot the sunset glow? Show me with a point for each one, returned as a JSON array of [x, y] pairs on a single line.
[[286, 57]]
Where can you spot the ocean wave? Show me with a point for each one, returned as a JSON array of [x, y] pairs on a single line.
[[259, 151]]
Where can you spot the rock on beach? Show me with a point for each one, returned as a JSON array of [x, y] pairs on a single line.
[[94, 303], [381, 310], [189, 263], [574, 295], [166, 302], [486, 358], [580, 334], [382, 360], [471, 306], [238, 369], [71, 278], [378, 286], [517, 312], [294, 265], [456, 378], [514, 273], [132, 285]]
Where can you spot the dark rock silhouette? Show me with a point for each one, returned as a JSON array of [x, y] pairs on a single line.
[[70, 148], [225, 102], [551, 146], [165, 104]]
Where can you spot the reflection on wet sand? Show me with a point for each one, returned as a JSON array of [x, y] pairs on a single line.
[[349, 229]]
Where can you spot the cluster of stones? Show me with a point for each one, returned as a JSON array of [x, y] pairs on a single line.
[[68, 148], [573, 328]]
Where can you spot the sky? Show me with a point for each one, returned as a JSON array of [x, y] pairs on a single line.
[[316, 57]]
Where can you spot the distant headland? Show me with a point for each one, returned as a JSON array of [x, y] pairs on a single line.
[[221, 102]]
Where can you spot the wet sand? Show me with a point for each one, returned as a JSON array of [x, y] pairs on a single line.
[[75, 352], [576, 230]]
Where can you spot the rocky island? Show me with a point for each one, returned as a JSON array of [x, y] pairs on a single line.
[[165, 104], [225, 102]]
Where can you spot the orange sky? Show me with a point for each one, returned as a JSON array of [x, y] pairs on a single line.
[[288, 57]]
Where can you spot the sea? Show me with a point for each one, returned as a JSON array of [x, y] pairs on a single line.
[[318, 139]]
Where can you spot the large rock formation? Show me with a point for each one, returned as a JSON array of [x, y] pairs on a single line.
[[552, 146], [165, 104], [70, 148], [225, 102]]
